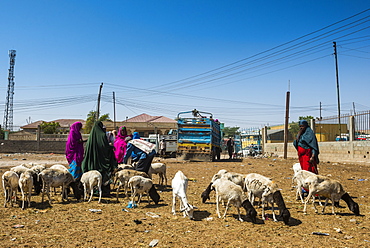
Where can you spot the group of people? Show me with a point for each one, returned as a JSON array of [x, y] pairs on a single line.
[[103, 153]]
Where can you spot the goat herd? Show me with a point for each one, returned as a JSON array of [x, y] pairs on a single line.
[[231, 188]]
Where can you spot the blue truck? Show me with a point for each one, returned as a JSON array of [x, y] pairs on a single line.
[[198, 136]]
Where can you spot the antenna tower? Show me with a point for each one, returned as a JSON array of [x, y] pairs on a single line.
[[8, 114]]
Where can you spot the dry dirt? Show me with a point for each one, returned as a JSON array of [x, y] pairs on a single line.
[[73, 225]]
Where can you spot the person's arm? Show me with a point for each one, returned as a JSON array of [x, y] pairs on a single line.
[[128, 153]]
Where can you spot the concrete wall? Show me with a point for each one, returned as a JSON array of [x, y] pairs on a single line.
[[32, 146], [343, 151]]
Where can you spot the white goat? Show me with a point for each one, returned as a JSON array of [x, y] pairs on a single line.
[[159, 169], [232, 194], [10, 185], [300, 177], [25, 184], [89, 180], [331, 189], [179, 187], [268, 191], [140, 185], [123, 176], [234, 177], [55, 178]]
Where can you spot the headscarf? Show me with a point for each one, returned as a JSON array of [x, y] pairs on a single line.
[[135, 135], [74, 145], [99, 154], [308, 140], [120, 144]]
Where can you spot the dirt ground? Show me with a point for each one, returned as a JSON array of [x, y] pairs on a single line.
[[74, 225]]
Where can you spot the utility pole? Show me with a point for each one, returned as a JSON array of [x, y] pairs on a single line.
[[114, 111], [8, 115], [286, 124], [337, 77], [98, 107]]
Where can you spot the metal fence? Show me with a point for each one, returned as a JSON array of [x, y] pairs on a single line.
[[328, 128]]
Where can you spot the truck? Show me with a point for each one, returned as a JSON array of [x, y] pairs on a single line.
[[171, 142], [198, 136]]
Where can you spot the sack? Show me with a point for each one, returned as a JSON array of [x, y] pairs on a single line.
[[143, 145], [75, 170]]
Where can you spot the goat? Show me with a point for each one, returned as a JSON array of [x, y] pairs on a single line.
[[10, 181], [233, 194], [89, 180], [160, 170], [331, 189], [264, 188], [179, 187], [25, 184], [140, 185], [123, 176], [56, 178], [234, 177]]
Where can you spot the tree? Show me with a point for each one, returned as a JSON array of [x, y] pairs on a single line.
[[294, 126], [231, 131], [91, 120], [49, 127]]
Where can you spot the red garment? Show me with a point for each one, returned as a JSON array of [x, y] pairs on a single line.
[[304, 156]]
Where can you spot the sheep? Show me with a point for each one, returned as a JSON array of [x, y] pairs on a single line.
[[89, 180], [300, 176], [19, 169], [139, 185], [268, 191], [234, 177], [123, 176], [179, 187], [36, 169], [56, 178], [10, 185], [331, 189], [160, 170], [233, 194], [25, 184], [59, 167]]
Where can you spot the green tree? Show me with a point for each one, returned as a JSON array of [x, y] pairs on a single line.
[[230, 131], [294, 126], [91, 120], [49, 127]]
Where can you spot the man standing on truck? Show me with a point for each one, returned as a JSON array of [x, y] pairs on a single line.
[[162, 147], [230, 147]]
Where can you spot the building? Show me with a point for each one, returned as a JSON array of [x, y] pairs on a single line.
[[145, 124]]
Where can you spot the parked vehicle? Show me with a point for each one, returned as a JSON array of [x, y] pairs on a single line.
[[171, 143], [198, 137]]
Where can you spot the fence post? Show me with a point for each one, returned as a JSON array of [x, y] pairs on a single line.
[[313, 126], [264, 138], [351, 128], [38, 137]]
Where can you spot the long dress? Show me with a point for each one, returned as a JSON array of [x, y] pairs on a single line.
[[120, 144], [98, 153], [306, 145], [75, 149]]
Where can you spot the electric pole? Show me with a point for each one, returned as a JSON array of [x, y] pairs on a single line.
[[337, 77], [114, 111], [98, 107]]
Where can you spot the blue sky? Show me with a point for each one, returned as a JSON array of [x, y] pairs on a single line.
[[235, 59]]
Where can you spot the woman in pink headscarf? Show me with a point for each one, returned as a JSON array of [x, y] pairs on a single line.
[[120, 144], [75, 149]]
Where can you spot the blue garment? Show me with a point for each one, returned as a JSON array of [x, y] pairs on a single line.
[[135, 135], [131, 149]]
